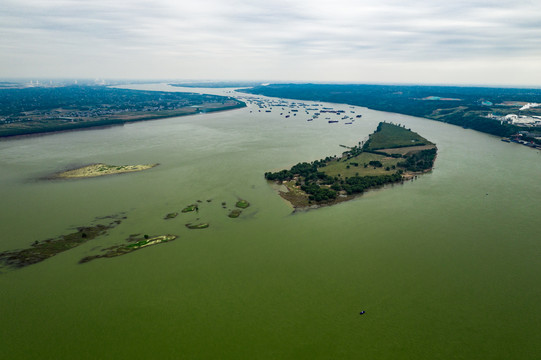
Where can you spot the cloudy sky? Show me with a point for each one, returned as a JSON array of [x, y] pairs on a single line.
[[495, 42]]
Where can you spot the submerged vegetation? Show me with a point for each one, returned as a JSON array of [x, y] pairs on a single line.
[[391, 154], [42, 250], [197, 226], [118, 250], [235, 213], [171, 215]]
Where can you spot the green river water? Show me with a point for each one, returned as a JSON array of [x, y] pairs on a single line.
[[446, 267]]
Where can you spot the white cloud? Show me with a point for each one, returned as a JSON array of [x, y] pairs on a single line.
[[270, 40]]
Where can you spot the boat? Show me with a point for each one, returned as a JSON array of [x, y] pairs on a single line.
[[333, 121]]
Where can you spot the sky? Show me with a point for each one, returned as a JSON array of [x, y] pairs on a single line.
[[474, 42]]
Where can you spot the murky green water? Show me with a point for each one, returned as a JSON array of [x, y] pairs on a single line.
[[446, 267]]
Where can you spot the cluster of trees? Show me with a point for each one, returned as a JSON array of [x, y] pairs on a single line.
[[358, 184], [375, 163], [304, 169], [308, 171], [419, 161], [311, 180], [351, 185], [318, 193]]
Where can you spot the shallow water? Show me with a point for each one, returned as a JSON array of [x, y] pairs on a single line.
[[446, 266]]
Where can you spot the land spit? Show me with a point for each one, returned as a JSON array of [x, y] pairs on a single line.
[[94, 170]]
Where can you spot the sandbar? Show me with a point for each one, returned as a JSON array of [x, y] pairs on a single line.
[[95, 170]]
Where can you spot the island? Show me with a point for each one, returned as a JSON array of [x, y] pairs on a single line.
[[94, 170], [391, 154]]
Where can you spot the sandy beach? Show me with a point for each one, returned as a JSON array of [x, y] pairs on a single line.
[[94, 170]]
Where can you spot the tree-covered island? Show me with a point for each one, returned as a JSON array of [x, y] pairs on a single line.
[[391, 154]]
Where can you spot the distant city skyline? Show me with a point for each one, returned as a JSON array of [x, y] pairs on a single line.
[[479, 42]]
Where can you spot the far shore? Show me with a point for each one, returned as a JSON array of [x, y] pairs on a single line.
[[95, 170], [119, 121]]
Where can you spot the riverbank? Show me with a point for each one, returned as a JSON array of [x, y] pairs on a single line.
[[470, 107], [52, 110]]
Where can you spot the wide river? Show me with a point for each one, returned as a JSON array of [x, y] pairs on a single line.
[[446, 267]]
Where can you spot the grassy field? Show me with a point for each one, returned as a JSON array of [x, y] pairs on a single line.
[[407, 150], [393, 136], [340, 166]]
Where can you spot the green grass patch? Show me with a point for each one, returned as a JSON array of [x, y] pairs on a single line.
[[243, 204], [190, 208], [393, 136], [355, 166]]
